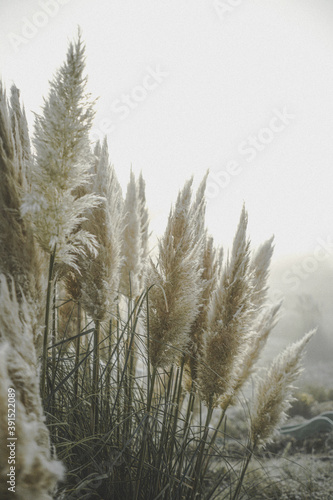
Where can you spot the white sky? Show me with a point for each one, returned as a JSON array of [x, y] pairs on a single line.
[[228, 75]]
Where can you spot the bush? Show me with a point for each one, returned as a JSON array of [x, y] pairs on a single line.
[[319, 393], [302, 406]]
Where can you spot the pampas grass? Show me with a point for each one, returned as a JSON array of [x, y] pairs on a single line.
[[144, 223], [175, 284], [211, 262], [228, 322], [133, 239], [274, 392], [259, 266], [100, 274], [61, 168], [19, 255], [37, 472], [163, 345], [255, 345]]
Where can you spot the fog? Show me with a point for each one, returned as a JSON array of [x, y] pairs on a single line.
[[307, 295]]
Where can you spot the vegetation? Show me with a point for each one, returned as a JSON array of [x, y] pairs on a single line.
[[138, 357]]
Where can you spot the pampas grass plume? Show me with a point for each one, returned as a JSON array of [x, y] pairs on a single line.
[[255, 344], [228, 321], [132, 245], [62, 165], [19, 255], [175, 293], [37, 473], [274, 392], [100, 275]]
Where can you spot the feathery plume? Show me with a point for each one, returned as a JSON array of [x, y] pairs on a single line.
[[62, 152], [19, 256], [210, 263], [144, 227], [36, 471], [198, 208], [274, 392], [97, 151], [206, 273], [174, 298], [132, 247], [261, 324], [100, 274], [255, 345], [73, 277], [21, 135], [260, 268], [228, 321], [144, 216]]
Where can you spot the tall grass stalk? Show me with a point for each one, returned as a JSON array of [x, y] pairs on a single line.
[[242, 474], [109, 363], [95, 379], [200, 457], [77, 351], [54, 326], [47, 323]]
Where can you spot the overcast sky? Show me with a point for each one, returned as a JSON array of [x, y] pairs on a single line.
[[243, 88]]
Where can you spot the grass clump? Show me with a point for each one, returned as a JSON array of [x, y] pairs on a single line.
[[142, 354]]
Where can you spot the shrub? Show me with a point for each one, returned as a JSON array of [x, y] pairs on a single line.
[[302, 405]]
